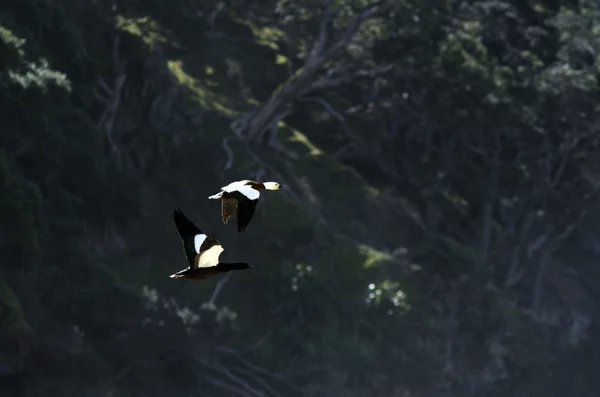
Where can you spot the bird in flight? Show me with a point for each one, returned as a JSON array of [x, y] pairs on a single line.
[[202, 251], [241, 197]]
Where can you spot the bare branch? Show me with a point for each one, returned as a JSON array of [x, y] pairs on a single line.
[[375, 71], [218, 288], [371, 12], [515, 272], [112, 99], [259, 342], [327, 106], [259, 174], [237, 380], [105, 87], [537, 289], [570, 228], [536, 245], [340, 152], [487, 208], [259, 380], [253, 125], [334, 113], [225, 386], [115, 50], [229, 152], [259, 369], [319, 44]]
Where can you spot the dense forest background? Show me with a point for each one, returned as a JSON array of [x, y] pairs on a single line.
[[439, 232]]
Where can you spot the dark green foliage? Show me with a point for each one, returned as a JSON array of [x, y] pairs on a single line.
[[21, 228], [427, 240]]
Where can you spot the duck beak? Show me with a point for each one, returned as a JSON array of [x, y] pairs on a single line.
[[280, 187]]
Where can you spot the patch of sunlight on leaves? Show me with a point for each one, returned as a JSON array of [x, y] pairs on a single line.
[[281, 59], [305, 14], [452, 249], [303, 273], [370, 33], [373, 256], [557, 78], [370, 191], [465, 46], [265, 35], [524, 170], [268, 37], [386, 290], [160, 310], [207, 98], [414, 267], [455, 199], [532, 57], [145, 28], [160, 306], [502, 76], [302, 48], [297, 136], [12, 317], [37, 74], [150, 296], [11, 40], [187, 316], [224, 317], [319, 115]]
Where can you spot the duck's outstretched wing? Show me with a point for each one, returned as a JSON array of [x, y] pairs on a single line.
[[245, 212], [228, 207], [246, 198], [235, 185], [191, 236], [209, 253]]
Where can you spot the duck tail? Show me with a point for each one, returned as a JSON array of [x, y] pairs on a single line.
[[216, 196]]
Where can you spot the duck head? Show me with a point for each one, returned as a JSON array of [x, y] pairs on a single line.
[[239, 266], [272, 186]]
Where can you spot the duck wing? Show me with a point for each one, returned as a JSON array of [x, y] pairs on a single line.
[[236, 185], [191, 236], [228, 207], [245, 212], [247, 198], [209, 252]]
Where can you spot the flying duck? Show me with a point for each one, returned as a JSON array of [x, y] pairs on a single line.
[[202, 251], [243, 196]]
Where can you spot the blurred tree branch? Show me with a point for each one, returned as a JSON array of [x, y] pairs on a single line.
[[251, 126]]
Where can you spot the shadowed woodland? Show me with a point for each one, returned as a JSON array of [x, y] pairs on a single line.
[[438, 235]]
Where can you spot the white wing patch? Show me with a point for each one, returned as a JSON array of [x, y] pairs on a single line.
[[216, 196], [234, 186], [241, 187], [198, 240], [247, 191], [210, 257]]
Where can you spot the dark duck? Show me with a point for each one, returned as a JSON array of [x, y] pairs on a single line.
[[241, 197], [202, 251]]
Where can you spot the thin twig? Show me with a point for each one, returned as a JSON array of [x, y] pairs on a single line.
[[237, 380], [225, 386], [218, 288], [230, 156]]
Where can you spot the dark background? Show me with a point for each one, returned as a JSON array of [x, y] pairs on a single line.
[[438, 235]]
